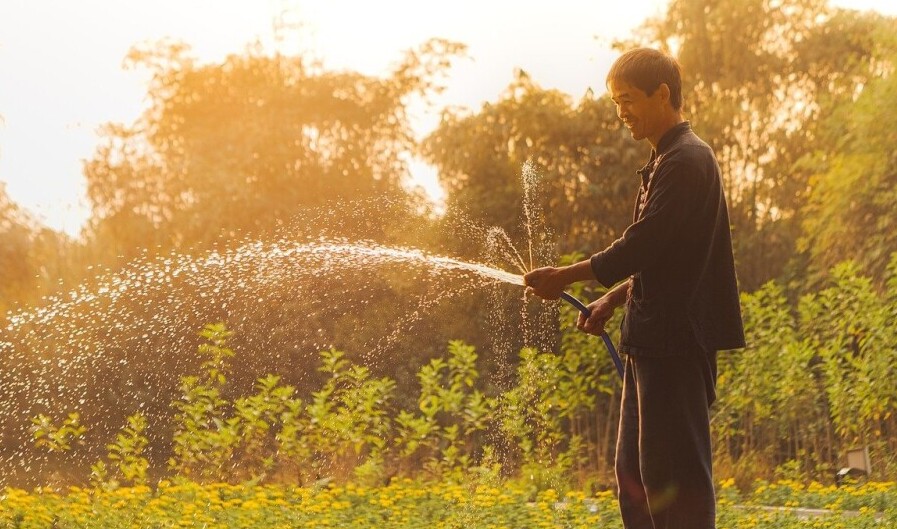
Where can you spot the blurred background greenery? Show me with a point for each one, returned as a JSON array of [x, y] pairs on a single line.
[[796, 97]]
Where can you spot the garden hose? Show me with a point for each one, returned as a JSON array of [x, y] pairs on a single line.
[[607, 341]]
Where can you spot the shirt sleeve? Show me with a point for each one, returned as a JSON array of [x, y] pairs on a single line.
[[671, 195]]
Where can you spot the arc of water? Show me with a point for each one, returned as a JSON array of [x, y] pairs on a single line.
[[501, 235], [529, 179]]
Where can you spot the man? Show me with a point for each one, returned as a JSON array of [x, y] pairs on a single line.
[[679, 289]]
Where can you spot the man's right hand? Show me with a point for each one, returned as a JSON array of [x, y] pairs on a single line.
[[601, 312], [603, 308]]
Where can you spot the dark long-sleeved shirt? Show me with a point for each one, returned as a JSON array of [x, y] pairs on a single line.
[[677, 254]]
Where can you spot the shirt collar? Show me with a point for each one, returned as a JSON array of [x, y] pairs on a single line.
[[670, 136], [666, 141]]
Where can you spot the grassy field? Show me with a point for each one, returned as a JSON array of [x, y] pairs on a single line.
[[408, 504]]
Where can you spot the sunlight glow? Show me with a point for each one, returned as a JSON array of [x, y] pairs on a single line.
[[59, 80]]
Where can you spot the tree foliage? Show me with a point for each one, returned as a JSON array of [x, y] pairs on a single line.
[[33, 258], [850, 209], [760, 79], [243, 146], [16, 236], [583, 156]]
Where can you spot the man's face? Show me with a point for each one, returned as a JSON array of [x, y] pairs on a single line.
[[640, 112]]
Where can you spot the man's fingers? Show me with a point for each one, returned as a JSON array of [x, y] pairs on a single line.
[[580, 321], [533, 277], [594, 325]]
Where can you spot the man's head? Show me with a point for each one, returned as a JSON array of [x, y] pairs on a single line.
[[646, 86]]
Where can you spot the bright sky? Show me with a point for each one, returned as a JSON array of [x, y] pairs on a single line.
[[61, 74]]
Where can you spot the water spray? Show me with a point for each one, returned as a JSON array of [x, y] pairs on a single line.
[[497, 237], [607, 341]]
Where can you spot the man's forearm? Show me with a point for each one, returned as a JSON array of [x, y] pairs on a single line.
[[617, 296], [582, 271], [549, 282]]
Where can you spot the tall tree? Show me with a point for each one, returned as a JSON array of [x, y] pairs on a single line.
[[16, 240], [850, 211], [759, 75], [584, 164], [245, 145]]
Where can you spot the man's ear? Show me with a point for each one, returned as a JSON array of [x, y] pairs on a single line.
[[664, 92]]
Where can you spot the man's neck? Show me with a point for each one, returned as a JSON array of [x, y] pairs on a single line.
[[671, 121]]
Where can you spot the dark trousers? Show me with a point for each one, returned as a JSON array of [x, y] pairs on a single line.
[[663, 462]]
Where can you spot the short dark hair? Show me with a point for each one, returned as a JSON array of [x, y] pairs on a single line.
[[646, 69]]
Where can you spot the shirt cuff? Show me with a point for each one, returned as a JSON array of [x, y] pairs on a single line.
[[600, 269]]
